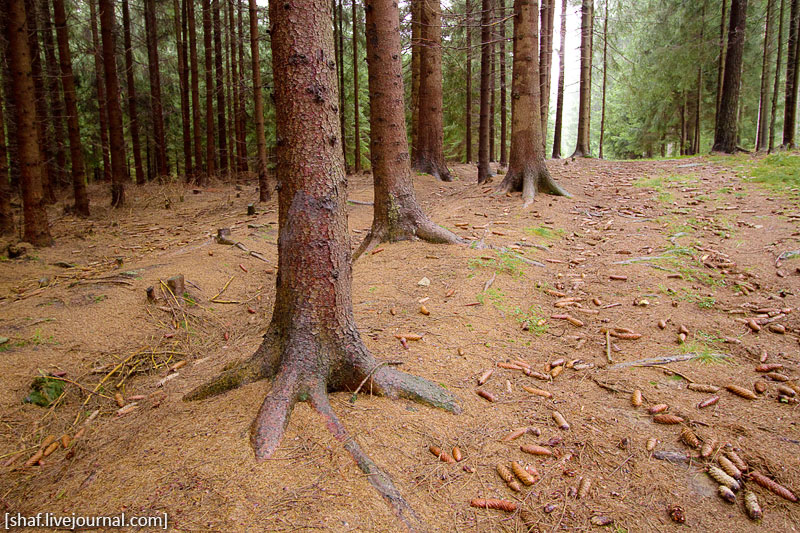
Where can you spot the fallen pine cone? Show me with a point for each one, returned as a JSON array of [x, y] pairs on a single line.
[[636, 398], [708, 447], [533, 449], [773, 486], [442, 455], [658, 408], [726, 494], [742, 392], [723, 479], [708, 402], [492, 503], [729, 467], [751, 504], [560, 420], [526, 477], [702, 387], [677, 514], [688, 437], [583, 488], [538, 392], [769, 367], [734, 458], [508, 477]]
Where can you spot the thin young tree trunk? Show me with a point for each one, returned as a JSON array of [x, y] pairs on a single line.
[[792, 72], [776, 85], [416, 50], [71, 108], [723, 21], [220, 89], [229, 88], [100, 87], [116, 139], [356, 124], [258, 106], [208, 56], [527, 170], [36, 230], [156, 106], [8, 102], [430, 153], [762, 142], [131, 86], [468, 110], [55, 96], [6, 214], [699, 92], [235, 88], [726, 132], [483, 128], [605, 80], [582, 148], [198, 172], [242, 141], [560, 96], [503, 89], [682, 150], [312, 345], [183, 81]]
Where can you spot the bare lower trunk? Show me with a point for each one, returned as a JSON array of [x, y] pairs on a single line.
[[208, 57], [560, 92], [258, 106], [116, 139], [526, 168], [100, 87], [776, 85], [55, 97], [503, 91], [723, 24], [183, 80], [198, 172], [766, 63], [792, 75], [6, 215], [241, 143], [133, 114], [154, 70], [416, 50], [547, 10], [605, 80], [483, 127], [356, 118], [219, 74], [582, 149], [725, 136], [312, 346], [468, 110]]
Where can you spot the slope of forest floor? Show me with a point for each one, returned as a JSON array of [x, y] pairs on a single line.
[[688, 242]]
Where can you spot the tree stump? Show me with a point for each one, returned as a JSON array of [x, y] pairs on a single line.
[[224, 236], [251, 209], [177, 286]]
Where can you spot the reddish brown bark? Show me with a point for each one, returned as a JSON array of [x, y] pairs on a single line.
[[483, 127], [721, 58], [430, 134], [220, 89], [54, 96], [792, 75], [356, 118], [236, 149], [132, 111], [493, 87], [726, 130], [548, 11], [766, 63], [416, 49], [198, 173], [468, 110], [258, 106], [339, 36], [582, 149], [605, 80], [209, 76], [183, 81], [100, 87], [116, 139], [36, 229], [156, 106], [560, 90], [6, 215], [241, 143], [776, 84], [526, 168], [71, 107], [312, 346], [501, 36]]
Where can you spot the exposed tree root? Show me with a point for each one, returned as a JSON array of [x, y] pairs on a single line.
[[530, 181], [441, 173]]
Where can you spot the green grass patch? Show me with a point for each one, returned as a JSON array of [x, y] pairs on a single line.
[[503, 262], [779, 171], [544, 231]]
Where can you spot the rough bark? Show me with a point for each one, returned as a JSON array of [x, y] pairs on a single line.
[[493, 85], [8, 102], [430, 134], [156, 105], [183, 81], [582, 148], [560, 91], [682, 144], [198, 172], [527, 170], [699, 90], [6, 214], [548, 11], [766, 63], [792, 74], [605, 80], [726, 130], [468, 110], [100, 88], [36, 229], [116, 139], [397, 215], [241, 143], [55, 96], [356, 118], [208, 57], [235, 147], [721, 58], [416, 50], [312, 346], [133, 115], [776, 84], [258, 106], [229, 89], [503, 90], [483, 126], [78, 166], [220, 89]]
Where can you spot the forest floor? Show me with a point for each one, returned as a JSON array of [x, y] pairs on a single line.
[[690, 242]]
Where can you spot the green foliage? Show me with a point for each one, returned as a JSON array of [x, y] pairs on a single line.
[[530, 318], [544, 231], [44, 391], [779, 171], [504, 262]]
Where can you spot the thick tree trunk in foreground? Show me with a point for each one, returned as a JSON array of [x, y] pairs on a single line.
[[36, 229], [792, 75], [582, 149], [183, 81], [493, 85], [777, 83], [468, 110], [726, 131], [129, 78], [258, 106], [116, 139], [723, 20], [220, 89], [526, 168], [312, 346], [560, 96], [429, 157], [483, 126], [208, 57], [71, 108], [100, 87], [766, 63], [342, 95], [397, 215], [154, 70], [6, 215]]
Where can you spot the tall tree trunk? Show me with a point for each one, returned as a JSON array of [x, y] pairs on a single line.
[[229, 88], [483, 127], [55, 96], [100, 87], [208, 56], [156, 106], [699, 91], [132, 112], [762, 141], [198, 171], [560, 92], [503, 91], [258, 106], [8, 102], [776, 85], [242, 142], [493, 87], [116, 140], [468, 110], [6, 214], [605, 80], [726, 131], [183, 81], [36, 230], [71, 108], [356, 124], [792, 73], [582, 148], [236, 154], [416, 51], [397, 215], [220, 89], [547, 11], [49, 170], [527, 170], [682, 150], [342, 92], [430, 137], [312, 345], [721, 59]]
